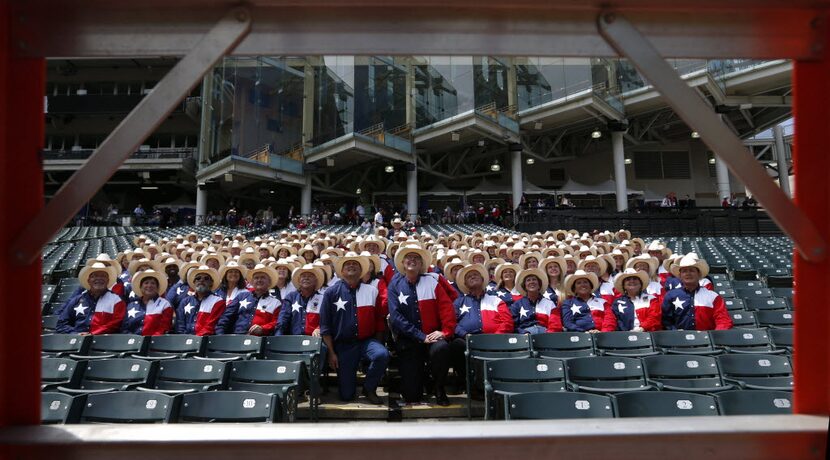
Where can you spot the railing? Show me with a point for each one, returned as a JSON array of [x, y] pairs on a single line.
[[154, 154], [504, 116], [287, 161]]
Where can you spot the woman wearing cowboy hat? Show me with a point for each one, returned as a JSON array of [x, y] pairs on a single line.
[[96, 310], [636, 310], [584, 311], [451, 269], [554, 268], [253, 312], [691, 306], [534, 313], [199, 311], [648, 264], [282, 284], [506, 283], [375, 279], [491, 266], [233, 282], [599, 267], [149, 313]]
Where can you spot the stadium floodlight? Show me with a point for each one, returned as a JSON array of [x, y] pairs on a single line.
[[712, 160], [495, 167], [389, 168], [596, 134], [455, 136], [358, 191], [628, 161]]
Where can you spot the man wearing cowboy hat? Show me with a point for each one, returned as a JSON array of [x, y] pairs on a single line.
[[422, 317], [534, 313], [180, 290], [636, 310], [253, 312], [477, 312], [300, 312], [150, 313], [376, 246], [691, 306], [351, 324], [118, 288], [96, 310], [585, 311], [198, 313]]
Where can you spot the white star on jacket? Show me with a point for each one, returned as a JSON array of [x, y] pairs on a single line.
[[621, 307], [341, 304], [189, 308], [243, 304], [402, 298], [522, 312], [296, 306], [132, 312], [132, 294], [546, 295], [80, 310], [490, 288], [465, 309], [678, 304], [575, 309], [179, 290]]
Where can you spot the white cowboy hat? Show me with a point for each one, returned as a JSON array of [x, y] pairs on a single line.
[[497, 261], [603, 265], [232, 265], [543, 280], [381, 242], [266, 270], [529, 255], [412, 248], [570, 280], [136, 264], [462, 276], [563, 266], [204, 270], [160, 278], [351, 256], [83, 275], [318, 273], [689, 260], [448, 268], [501, 268], [219, 257], [375, 260], [631, 273], [644, 258]]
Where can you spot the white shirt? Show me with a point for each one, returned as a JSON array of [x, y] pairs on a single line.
[[378, 218]]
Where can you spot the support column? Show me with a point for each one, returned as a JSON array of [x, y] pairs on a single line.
[[206, 129], [516, 178], [305, 198], [781, 157], [512, 87], [722, 173], [308, 103], [201, 205], [412, 190], [619, 170], [410, 91], [22, 85]]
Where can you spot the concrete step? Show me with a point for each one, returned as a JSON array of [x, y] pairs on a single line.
[[332, 409]]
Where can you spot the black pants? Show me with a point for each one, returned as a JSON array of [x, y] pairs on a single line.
[[459, 361], [412, 357]]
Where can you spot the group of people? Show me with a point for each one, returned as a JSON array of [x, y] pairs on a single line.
[[416, 295]]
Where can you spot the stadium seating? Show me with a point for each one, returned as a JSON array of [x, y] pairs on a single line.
[[606, 374], [60, 345], [485, 347], [757, 372], [627, 343], [129, 407], [229, 407], [60, 408], [504, 377], [55, 372], [563, 345], [782, 339], [689, 373], [558, 405], [280, 378], [176, 376], [684, 342], [112, 374], [112, 346], [755, 402], [302, 349], [172, 346], [742, 341], [232, 347], [663, 404]]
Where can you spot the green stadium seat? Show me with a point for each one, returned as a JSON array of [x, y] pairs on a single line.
[[743, 341], [691, 373], [229, 407], [112, 374], [562, 345], [757, 372], [504, 377], [606, 374], [299, 348], [173, 346], [684, 342], [129, 407], [175, 376], [776, 318], [770, 303], [743, 319], [664, 404], [55, 372], [782, 338], [734, 304], [549, 405], [624, 343], [232, 347], [755, 402], [112, 346], [281, 378], [486, 347], [60, 408], [61, 345]]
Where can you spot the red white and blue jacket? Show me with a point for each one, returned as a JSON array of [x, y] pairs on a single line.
[[527, 313], [387, 269], [83, 313], [673, 283], [656, 289], [580, 316], [416, 310], [701, 310], [383, 293], [487, 315], [199, 318], [247, 310], [177, 292], [348, 314], [508, 296], [606, 291], [299, 315], [154, 318], [119, 289], [644, 311]]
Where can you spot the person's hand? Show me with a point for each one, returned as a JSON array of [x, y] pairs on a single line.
[[637, 329], [332, 359], [83, 333], [255, 330], [434, 336], [316, 332], [593, 331]]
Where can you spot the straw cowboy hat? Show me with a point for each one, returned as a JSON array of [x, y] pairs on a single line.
[[412, 248], [333, 252], [570, 280], [111, 271], [670, 260], [319, 276], [265, 270], [449, 267], [645, 258], [631, 273], [218, 257], [529, 255], [501, 268], [520, 280], [476, 252], [462, 276], [375, 260], [351, 256], [246, 256], [233, 266], [494, 262], [204, 270], [327, 271], [160, 278], [372, 239], [135, 266], [623, 234], [603, 265], [563, 266], [658, 246], [690, 260]]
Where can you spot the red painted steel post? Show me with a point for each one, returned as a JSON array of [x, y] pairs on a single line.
[[21, 196], [812, 194]]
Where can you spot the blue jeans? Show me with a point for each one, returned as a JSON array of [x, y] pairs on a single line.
[[349, 355], [534, 330]]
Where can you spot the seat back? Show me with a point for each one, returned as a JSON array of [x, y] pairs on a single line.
[[59, 371], [753, 293], [769, 303], [558, 405], [754, 402], [128, 407], [683, 371], [682, 341], [264, 376], [64, 344], [243, 346], [734, 304], [60, 408], [776, 318], [174, 345], [624, 343], [785, 292], [116, 374], [781, 338], [116, 345], [747, 284], [606, 372], [563, 344], [784, 281], [296, 344], [743, 319], [498, 345], [742, 340], [754, 365], [524, 370], [228, 406], [664, 404], [190, 374]]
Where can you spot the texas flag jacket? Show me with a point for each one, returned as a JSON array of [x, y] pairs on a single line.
[[701, 310], [247, 310], [154, 318], [581, 316], [199, 318], [485, 315], [83, 313], [418, 309], [299, 315], [527, 313], [348, 314], [643, 311]]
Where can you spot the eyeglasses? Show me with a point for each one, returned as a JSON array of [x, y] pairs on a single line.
[[202, 278]]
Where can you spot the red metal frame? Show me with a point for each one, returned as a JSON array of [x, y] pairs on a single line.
[[22, 91], [812, 194]]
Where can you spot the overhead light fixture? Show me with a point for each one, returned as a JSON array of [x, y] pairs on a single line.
[[495, 167], [695, 135], [530, 161], [455, 136], [537, 126], [481, 143], [774, 164], [712, 160], [628, 161], [228, 177], [149, 187], [358, 191], [596, 134], [389, 168], [330, 162], [273, 192]]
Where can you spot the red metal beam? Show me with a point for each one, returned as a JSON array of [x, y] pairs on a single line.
[[21, 197], [812, 194]]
